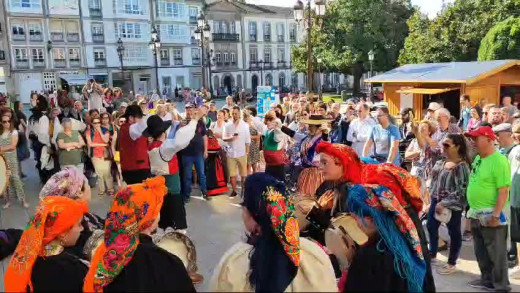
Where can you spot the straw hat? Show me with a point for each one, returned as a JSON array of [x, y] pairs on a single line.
[[316, 120]]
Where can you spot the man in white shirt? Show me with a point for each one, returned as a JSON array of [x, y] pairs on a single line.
[[360, 128], [236, 134]]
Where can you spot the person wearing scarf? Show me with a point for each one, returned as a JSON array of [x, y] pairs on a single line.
[[275, 258], [40, 262], [385, 200], [72, 183], [128, 260]]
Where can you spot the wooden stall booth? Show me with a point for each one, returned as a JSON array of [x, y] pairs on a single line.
[[416, 85]]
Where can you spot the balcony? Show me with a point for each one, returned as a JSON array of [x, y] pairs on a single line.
[[233, 63], [72, 37], [252, 37], [100, 62], [74, 62], [18, 37], [225, 37], [195, 61], [281, 39], [166, 62], [193, 19], [254, 64], [60, 63], [268, 65], [281, 64], [177, 61], [95, 12], [22, 63], [267, 38], [36, 37], [98, 38], [56, 37], [2, 55], [38, 63]]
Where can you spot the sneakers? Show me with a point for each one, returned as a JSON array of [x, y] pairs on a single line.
[[478, 284], [446, 269], [437, 263], [233, 194], [466, 236], [205, 196]]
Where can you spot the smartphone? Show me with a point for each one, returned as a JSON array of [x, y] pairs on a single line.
[[236, 134]]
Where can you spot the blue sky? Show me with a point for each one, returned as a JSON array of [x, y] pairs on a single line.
[[430, 7]]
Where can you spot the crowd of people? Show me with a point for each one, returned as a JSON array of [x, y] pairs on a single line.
[[306, 172]]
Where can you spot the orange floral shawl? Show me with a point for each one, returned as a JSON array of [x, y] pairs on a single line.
[[134, 209], [54, 216]]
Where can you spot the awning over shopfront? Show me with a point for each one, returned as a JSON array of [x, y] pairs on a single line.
[[75, 79], [425, 91]]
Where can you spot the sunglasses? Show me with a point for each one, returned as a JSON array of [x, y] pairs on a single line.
[[96, 123], [446, 145], [122, 121], [6, 121]]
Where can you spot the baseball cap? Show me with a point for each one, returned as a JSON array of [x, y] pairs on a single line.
[[434, 106], [504, 127], [190, 105], [124, 104], [482, 131]]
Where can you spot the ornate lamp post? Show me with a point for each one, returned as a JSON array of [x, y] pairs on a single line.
[[371, 56], [202, 34], [120, 51], [155, 45], [299, 15]]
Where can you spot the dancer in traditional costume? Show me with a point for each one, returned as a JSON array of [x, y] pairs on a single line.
[[216, 175], [128, 260], [40, 261], [274, 258]]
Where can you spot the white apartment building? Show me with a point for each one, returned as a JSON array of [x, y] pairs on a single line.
[[45, 44]]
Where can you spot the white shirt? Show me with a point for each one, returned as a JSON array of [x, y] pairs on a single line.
[[237, 146], [359, 132], [218, 130], [41, 129], [259, 124], [136, 129]]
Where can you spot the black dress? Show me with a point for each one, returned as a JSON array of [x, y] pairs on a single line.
[[152, 269], [59, 273]]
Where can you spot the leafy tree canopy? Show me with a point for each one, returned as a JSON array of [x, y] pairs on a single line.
[[502, 41]]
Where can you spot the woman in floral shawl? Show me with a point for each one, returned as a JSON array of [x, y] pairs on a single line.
[[40, 262], [128, 260], [385, 199], [275, 258]]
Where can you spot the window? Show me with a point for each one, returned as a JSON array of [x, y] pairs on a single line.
[[74, 54], [130, 7], [35, 29], [281, 54], [292, 32], [280, 32], [37, 55], [232, 27], [58, 53], [217, 58], [267, 31], [164, 54], [173, 31], [34, 4], [99, 54], [253, 54], [281, 80], [136, 54], [97, 29], [195, 56], [128, 30], [20, 54], [94, 4], [252, 31], [226, 57], [194, 12], [269, 80], [171, 9], [267, 55], [233, 57], [18, 30], [177, 56]]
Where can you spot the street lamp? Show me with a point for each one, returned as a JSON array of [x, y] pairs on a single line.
[[49, 45], [120, 52], [202, 34], [371, 56], [155, 45], [299, 15]]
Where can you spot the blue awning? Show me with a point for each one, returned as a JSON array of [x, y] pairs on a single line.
[[75, 79]]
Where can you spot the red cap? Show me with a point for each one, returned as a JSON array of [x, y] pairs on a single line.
[[482, 131]]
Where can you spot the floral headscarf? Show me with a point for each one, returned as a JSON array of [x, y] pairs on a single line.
[[403, 185], [54, 216], [134, 209], [67, 182]]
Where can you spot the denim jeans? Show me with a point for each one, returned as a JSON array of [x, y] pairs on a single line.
[[454, 229], [187, 166]]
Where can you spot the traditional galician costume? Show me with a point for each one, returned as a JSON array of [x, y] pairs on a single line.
[[216, 175], [274, 151], [168, 139]]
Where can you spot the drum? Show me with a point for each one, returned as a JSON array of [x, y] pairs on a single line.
[[342, 238], [4, 175], [93, 242], [181, 246], [302, 207]]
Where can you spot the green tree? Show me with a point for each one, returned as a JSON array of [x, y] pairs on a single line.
[[455, 34], [350, 29], [502, 41]]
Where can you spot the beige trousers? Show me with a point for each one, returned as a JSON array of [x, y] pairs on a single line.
[[104, 176]]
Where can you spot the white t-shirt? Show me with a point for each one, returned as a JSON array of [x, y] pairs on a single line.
[[237, 147], [359, 132]]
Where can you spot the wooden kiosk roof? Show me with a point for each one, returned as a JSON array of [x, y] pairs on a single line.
[[452, 72]]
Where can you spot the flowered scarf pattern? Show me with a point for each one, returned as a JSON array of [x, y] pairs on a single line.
[[283, 221], [134, 209], [54, 216], [67, 182]]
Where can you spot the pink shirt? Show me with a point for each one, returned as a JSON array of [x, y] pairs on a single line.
[[472, 123]]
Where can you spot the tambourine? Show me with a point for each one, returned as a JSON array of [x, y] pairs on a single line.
[[93, 242], [4, 174], [343, 237], [181, 246]]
